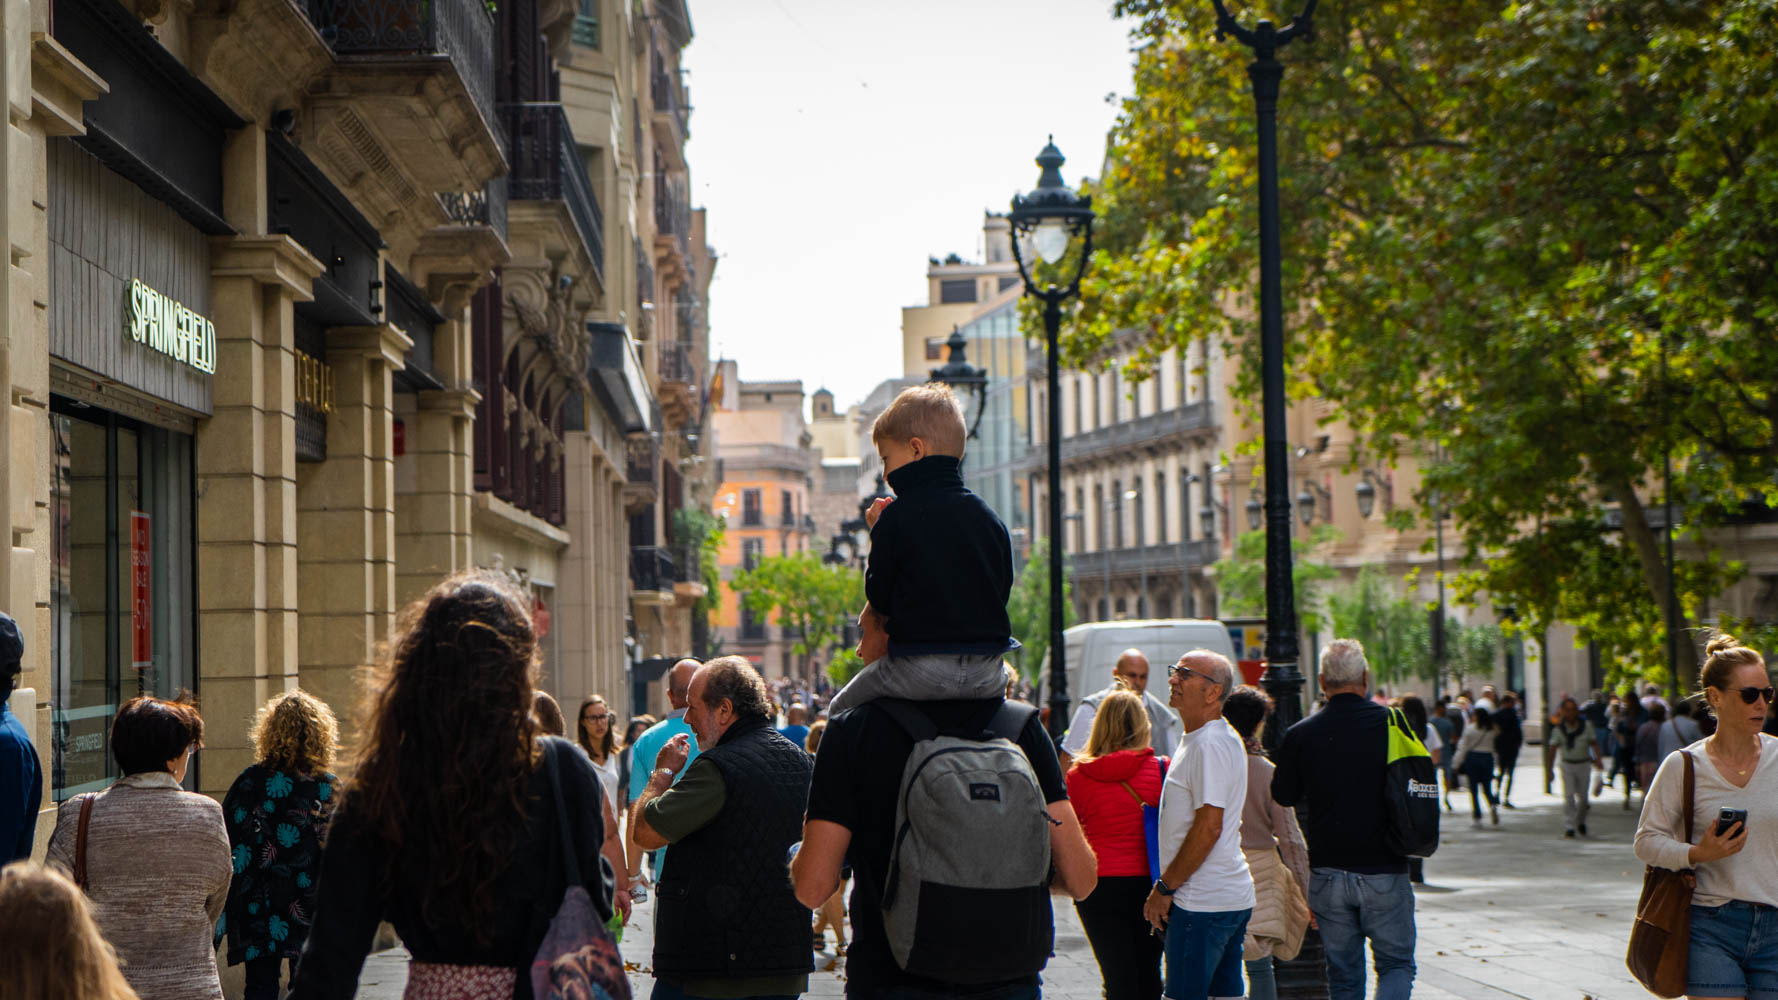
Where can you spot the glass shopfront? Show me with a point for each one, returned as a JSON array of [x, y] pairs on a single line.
[[121, 585]]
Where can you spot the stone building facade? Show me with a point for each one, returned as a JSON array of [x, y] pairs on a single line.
[[309, 306]]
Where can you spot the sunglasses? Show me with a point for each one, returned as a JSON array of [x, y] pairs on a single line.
[[1751, 694], [1179, 671]]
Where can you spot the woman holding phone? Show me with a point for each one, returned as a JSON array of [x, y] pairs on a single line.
[[1734, 925]]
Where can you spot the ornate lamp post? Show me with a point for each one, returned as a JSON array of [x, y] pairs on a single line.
[[968, 381], [1282, 678], [1051, 216]]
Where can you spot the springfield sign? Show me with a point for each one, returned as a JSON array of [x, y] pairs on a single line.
[[168, 327]]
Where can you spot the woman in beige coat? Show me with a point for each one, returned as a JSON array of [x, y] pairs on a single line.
[[157, 860], [1276, 854]]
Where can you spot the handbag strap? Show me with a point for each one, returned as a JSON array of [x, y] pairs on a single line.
[[1690, 785], [86, 819], [570, 866]]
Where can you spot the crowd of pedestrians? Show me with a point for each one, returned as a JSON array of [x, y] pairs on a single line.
[[474, 811]]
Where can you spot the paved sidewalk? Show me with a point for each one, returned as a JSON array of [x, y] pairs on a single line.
[[1509, 912]]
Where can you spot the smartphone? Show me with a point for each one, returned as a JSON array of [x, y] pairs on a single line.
[[1726, 820]]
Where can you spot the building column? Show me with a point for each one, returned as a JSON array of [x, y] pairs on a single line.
[[432, 523], [346, 518], [246, 464]]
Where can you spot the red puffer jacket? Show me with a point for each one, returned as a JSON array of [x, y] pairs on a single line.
[[1111, 818]]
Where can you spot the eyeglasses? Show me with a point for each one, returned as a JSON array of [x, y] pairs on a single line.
[[1178, 671], [596, 718], [1751, 694]]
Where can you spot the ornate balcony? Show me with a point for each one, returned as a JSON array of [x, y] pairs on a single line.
[[1155, 560], [672, 116], [1153, 430], [680, 378], [547, 167], [411, 96]]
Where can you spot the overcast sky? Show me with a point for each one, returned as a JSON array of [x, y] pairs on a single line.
[[839, 143]]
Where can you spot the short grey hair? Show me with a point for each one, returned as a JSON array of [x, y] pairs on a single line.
[[734, 679], [1216, 667], [1343, 663]]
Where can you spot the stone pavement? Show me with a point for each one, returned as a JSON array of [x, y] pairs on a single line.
[[1509, 912]]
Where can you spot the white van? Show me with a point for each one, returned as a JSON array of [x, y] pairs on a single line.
[[1092, 651]]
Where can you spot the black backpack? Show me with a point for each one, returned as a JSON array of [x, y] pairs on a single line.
[[1410, 792]]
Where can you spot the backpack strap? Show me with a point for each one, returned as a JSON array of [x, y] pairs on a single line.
[[570, 864], [1010, 719], [913, 721]]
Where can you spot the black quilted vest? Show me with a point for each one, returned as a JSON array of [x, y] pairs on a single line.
[[725, 906]]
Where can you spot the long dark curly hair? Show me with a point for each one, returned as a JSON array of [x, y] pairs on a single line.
[[448, 745]]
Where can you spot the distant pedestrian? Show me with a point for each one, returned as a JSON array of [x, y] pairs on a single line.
[[450, 829], [1476, 752], [1648, 745], [21, 775], [1446, 727], [1734, 914], [1276, 853], [1204, 897], [1129, 673], [1577, 757], [648, 746], [276, 813], [1334, 763], [50, 945], [727, 922], [852, 815], [554, 723], [593, 730], [1115, 775], [795, 727], [627, 757], [156, 862], [1414, 709], [1679, 731], [1506, 746]]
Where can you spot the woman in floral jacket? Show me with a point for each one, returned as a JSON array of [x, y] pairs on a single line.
[[277, 813]]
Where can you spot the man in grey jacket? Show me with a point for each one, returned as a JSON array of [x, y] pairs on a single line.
[[1131, 670]]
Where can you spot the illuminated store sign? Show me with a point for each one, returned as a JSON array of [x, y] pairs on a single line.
[[168, 327]]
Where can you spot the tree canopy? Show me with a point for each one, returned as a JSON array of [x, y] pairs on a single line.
[[1534, 245], [1028, 608], [813, 599]]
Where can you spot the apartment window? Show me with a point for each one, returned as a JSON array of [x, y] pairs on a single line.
[[935, 348], [1157, 390], [1117, 507], [1099, 516], [1185, 507], [1079, 388], [786, 507], [1098, 401], [1080, 538], [753, 627], [1184, 372], [751, 513], [752, 550], [956, 290], [1007, 281]]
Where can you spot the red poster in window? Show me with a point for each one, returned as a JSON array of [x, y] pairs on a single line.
[[141, 608]]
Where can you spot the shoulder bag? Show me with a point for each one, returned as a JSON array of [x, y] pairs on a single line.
[[86, 820], [1661, 938], [1151, 823], [578, 957]]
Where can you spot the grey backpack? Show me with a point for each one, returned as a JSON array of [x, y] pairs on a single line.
[[966, 899]]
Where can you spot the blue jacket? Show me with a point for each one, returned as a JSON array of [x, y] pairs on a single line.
[[21, 788]]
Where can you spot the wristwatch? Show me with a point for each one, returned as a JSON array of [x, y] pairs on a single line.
[[1160, 886]]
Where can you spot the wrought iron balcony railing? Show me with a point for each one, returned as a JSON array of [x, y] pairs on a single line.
[[486, 207], [652, 568], [546, 166], [460, 30], [677, 364], [1155, 560], [669, 99], [1145, 430]]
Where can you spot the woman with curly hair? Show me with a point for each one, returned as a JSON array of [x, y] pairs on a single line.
[[449, 828], [50, 945], [276, 812]]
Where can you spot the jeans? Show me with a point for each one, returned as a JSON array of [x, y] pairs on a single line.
[[1734, 951], [1129, 953], [1262, 979], [1204, 953], [1576, 776], [1352, 908], [1478, 767]]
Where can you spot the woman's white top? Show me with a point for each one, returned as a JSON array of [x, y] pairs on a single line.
[[1475, 739], [1751, 875], [608, 773]]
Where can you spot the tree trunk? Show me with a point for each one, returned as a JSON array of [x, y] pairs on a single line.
[[1654, 574]]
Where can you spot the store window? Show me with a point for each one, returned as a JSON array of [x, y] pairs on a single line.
[[121, 587]]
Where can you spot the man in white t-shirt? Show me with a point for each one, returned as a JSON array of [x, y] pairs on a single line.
[[1205, 893]]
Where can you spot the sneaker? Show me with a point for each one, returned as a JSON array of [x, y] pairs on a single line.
[[1568, 833], [1583, 829], [1507, 805]]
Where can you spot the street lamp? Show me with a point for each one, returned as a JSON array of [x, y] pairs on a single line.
[[1255, 509], [968, 381], [1282, 678], [1367, 490], [1312, 493], [1051, 216]]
